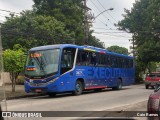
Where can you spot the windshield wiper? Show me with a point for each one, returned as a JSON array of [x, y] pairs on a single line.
[[41, 65]]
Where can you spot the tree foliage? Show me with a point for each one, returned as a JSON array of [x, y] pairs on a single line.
[[69, 12], [32, 30], [144, 22], [117, 49], [12, 64], [49, 22]]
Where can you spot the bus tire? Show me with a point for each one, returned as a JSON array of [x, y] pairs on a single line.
[[119, 85], [78, 88], [146, 86], [51, 94]]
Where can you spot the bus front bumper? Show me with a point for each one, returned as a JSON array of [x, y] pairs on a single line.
[[40, 88]]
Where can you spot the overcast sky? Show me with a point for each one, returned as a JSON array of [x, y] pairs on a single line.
[[103, 25]]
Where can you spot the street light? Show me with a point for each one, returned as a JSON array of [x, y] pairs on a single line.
[[90, 18], [102, 13]]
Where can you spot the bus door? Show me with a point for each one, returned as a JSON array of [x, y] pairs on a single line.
[[67, 68]]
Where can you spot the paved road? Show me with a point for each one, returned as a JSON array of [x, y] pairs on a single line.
[[89, 101]]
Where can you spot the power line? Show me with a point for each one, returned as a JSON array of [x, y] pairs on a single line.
[[9, 11], [100, 12], [103, 22], [104, 14], [112, 35], [109, 29], [41, 37], [2, 15], [1, 21], [115, 32], [107, 12]]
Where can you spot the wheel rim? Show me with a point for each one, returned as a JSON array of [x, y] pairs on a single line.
[[120, 84], [78, 87]]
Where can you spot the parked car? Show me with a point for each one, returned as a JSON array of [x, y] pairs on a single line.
[[152, 79], [153, 106]]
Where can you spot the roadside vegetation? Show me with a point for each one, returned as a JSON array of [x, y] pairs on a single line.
[[143, 21], [57, 22]]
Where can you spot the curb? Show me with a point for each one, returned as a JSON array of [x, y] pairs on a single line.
[[24, 96]]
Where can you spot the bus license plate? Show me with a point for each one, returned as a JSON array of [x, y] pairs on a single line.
[[38, 90]]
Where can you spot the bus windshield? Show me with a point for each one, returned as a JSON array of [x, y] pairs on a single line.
[[42, 63]]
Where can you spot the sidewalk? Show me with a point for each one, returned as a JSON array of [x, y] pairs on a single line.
[[19, 92]]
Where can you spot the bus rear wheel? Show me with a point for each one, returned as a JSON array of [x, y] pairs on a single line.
[[78, 88], [119, 85], [146, 86]]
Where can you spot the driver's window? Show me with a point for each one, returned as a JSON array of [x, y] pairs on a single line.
[[67, 59]]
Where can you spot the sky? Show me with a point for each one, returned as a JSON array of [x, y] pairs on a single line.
[[103, 25]]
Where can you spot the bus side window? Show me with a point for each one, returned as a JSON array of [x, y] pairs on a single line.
[[107, 60], [82, 58], [127, 63], [120, 62], [124, 63], [111, 61], [131, 63], [102, 59], [93, 59]]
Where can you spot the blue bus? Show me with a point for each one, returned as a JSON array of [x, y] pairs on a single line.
[[71, 68]]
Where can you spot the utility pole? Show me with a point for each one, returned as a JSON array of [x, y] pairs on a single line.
[[86, 23], [133, 48], [2, 84], [1, 59]]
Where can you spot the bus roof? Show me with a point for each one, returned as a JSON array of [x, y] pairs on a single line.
[[85, 47]]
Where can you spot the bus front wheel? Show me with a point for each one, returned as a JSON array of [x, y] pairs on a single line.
[[78, 88]]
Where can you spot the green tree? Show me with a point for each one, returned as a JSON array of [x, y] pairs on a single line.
[[13, 65], [117, 49], [69, 12], [32, 30], [144, 22], [50, 22]]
